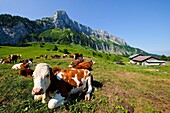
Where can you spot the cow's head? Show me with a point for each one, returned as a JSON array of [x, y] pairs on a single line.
[[41, 78], [71, 65]]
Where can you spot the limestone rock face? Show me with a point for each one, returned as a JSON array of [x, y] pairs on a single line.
[[13, 29], [61, 20]]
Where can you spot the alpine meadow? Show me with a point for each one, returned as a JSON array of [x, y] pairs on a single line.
[[120, 88], [118, 85]]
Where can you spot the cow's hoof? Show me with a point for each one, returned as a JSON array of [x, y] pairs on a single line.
[[37, 97], [87, 97], [43, 101]]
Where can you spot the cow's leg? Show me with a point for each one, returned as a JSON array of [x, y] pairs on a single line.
[[56, 101], [37, 97], [89, 85], [45, 98]]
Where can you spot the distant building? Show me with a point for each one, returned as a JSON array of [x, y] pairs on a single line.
[[145, 60]]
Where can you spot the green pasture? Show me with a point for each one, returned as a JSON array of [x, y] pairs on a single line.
[[120, 88]]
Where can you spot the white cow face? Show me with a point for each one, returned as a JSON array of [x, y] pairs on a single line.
[[41, 77]]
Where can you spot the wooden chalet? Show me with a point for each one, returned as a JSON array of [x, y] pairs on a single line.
[[145, 60]]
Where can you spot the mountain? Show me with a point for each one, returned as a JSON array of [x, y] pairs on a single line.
[[16, 30], [61, 20]]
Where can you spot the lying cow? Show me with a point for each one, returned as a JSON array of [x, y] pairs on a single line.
[[83, 65], [20, 66], [61, 85], [5, 61], [26, 72], [75, 63], [23, 64]]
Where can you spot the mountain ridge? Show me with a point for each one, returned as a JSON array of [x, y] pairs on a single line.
[[15, 29]]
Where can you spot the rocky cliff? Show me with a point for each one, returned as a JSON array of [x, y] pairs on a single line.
[[11, 33], [61, 20], [14, 29]]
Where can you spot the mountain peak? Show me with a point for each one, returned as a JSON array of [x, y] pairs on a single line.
[[62, 20]]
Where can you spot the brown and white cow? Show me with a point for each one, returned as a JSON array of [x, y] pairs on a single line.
[[61, 85], [26, 72], [55, 56], [5, 61], [65, 55], [20, 66], [13, 58], [75, 63], [83, 65]]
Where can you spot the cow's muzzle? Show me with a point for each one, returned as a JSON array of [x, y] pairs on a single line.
[[37, 91]]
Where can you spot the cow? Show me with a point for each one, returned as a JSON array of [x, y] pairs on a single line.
[[55, 70], [13, 58], [27, 72], [61, 85], [65, 55], [26, 60], [71, 55], [83, 65], [20, 66], [29, 61], [78, 56], [75, 63], [18, 56], [4, 61], [55, 56]]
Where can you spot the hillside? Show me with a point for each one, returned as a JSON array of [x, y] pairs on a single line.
[[68, 36], [16, 30], [120, 88]]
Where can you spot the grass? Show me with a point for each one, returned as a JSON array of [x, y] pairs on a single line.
[[127, 88]]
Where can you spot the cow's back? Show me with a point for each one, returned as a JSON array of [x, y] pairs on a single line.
[[74, 77]]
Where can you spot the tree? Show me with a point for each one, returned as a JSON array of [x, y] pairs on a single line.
[[55, 48], [65, 51]]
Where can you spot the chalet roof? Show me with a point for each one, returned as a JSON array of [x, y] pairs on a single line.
[[133, 56], [141, 58], [155, 61]]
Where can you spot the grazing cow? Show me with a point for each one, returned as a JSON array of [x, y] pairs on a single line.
[[61, 85], [84, 65], [13, 58], [37, 57], [77, 56], [75, 63], [41, 56], [26, 72], [65, 55], [55, 56], [72, 55]]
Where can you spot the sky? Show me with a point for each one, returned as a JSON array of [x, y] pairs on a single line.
[[143, 24]]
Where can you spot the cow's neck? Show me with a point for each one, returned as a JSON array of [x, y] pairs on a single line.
[[59, 85]]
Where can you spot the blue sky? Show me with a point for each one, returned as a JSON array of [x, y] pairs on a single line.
[[144, 24]]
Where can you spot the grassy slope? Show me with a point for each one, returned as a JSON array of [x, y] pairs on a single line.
[[120, 88]]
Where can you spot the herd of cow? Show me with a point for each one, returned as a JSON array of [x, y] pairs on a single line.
[[55, 85]]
